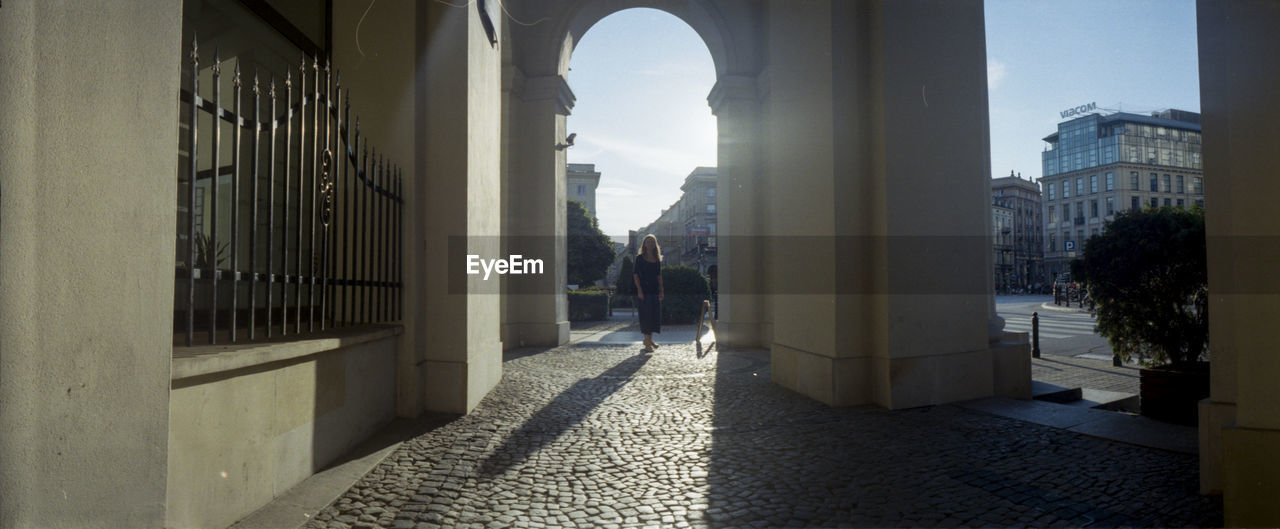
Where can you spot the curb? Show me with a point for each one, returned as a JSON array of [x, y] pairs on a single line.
[[1049, 306]]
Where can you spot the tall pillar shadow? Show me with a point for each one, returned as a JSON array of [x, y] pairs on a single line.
[[567, 410]]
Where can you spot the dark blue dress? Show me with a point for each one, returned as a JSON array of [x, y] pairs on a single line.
[[650, 307]]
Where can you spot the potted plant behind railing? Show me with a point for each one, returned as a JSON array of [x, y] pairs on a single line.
[[1147, 275]]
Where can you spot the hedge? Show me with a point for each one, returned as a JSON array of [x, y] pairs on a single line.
[[684, 290], [588, 305]]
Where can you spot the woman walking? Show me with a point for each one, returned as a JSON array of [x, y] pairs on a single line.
[[648, 278]]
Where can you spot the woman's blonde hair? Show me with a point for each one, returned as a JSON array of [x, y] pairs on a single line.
[[656, 248]]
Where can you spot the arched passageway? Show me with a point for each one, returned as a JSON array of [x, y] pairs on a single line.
[[821, 111]]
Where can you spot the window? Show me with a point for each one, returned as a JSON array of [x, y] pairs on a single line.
[[1166, 186], [1079, 239], [1079, 212], [1133, 180], [1182, 188], [582, 190], [1111, 206], [1053, 242], [1079, 186], [1053, 213], [1133, 203], [1052, 186], [1200, 202], [1181, 205], [1066, 188], [1197, 186], [711, 208], [711, 192], [1093, 209], [1066, 213], [1111, 181], [1167, 202], [1155, 182], [1155, 202], [1093, 183]]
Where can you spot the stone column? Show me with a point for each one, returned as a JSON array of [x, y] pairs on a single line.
[[739, 211], [461, 203], [878, 176], [88, 179], [536, 307], [1240, 421]]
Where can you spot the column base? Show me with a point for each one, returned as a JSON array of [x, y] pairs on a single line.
[[535, 334], [1251, 477], [739, 334], [1214, 417], [897, 383]]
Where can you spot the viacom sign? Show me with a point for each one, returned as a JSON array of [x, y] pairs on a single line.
[[1079, 110]]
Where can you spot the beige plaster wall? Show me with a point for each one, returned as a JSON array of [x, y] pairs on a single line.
[[88, 154], [1238, 77], [462, 198], [380, 68], [889, 303], [239, 439]]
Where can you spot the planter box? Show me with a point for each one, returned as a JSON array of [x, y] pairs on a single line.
[[1172, 394]]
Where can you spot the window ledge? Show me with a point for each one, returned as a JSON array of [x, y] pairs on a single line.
[[210, 359]]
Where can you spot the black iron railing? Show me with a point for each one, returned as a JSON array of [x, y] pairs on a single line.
[[321, 242]]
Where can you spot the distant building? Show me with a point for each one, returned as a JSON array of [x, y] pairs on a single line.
[[1020, 241], [687, 229], [581, 180], [1096, 165]]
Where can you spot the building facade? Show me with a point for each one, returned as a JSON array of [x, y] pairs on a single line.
[[687, 229], [1018, 244], [108, 423], [1097, 165], [581, 181]]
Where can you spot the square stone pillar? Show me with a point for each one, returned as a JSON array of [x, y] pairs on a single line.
[[740, 213], [536, 311], [462, 207], [1240, 422], [88, 179], [877, 163]]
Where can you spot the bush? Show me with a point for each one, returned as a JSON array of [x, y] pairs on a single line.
[[1147, 274], [684, 290], [588, 305]]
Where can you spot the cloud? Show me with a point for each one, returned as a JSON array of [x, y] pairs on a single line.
[[995, 73], [666, 161]]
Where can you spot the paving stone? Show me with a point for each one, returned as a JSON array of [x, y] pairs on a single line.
[[600, 436]]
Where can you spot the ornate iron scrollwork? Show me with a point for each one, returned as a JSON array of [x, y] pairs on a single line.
[[326, 187]]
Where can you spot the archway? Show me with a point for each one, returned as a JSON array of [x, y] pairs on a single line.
[[538, 99]]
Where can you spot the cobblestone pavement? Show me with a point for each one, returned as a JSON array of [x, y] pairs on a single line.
[[603, 436], [1075, 372]]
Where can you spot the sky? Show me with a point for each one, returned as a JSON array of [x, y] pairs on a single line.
[[641, 77]]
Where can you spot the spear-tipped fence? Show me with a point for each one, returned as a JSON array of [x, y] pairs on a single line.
[[309, 194]]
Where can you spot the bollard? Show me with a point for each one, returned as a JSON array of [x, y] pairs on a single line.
[[1115, 360], [1035, 335]]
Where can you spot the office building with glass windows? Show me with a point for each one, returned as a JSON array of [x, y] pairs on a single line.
[[1098, 165]]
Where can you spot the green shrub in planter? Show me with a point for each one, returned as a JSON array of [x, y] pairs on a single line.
[[588, 305], [684, 290]]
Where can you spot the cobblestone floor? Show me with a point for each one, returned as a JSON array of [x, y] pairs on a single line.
[[603, 436]]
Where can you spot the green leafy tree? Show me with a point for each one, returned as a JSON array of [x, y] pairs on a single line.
[[626, 283], [589, 251], [1147, 273]]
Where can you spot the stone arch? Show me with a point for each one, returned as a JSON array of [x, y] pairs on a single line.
[[542, 38]]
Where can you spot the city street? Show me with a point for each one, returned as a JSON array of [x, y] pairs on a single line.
[[1063, 331]]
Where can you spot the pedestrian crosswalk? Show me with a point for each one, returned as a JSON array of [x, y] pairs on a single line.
[[1052, 325]]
